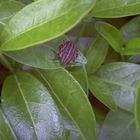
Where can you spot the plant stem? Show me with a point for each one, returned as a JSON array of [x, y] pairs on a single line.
[[6, 63], [86, 76]]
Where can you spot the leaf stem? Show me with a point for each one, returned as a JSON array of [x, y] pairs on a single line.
[[6, 63], [86, 76]]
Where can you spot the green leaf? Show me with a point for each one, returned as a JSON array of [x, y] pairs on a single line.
[[100, 115], [8, 8], [101, 91], [116, 8], [89, 31], [73, 100], [80, 74], [44, 20], [119, 125], [43, 56], [121, 79], [26, 1], [96, 54], [137, 111], [132, 47], [111, 34], [112, 56], [6, 133], [71, 132], [30, 109], [131, 29], [1, 26]]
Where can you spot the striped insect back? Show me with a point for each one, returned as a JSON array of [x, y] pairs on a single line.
[[68, 52]]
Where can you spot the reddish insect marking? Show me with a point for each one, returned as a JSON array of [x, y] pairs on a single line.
[[68, 52]]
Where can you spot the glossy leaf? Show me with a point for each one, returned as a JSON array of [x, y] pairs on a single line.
[[71, 132], [96, 54], [8, 8], [131, 29], [30, 109], [132, 47], [6, 131], [42, 56], [73, 100], [116, 8], [44, 20], [111, 34], [119, 125], [101, 91], [80, 74], [137, 111], [121, 78]]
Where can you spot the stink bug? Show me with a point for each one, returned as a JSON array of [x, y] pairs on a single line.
[[68, 52]]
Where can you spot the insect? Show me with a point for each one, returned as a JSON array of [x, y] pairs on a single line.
[[68, 52]]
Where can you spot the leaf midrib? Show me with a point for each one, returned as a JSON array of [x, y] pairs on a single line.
[[113, 16], [26, 104], [9, 126], [41, 24], [115, 83], [129, 5], [63, 105]]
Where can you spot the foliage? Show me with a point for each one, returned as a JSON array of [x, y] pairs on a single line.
[[95, 98]]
